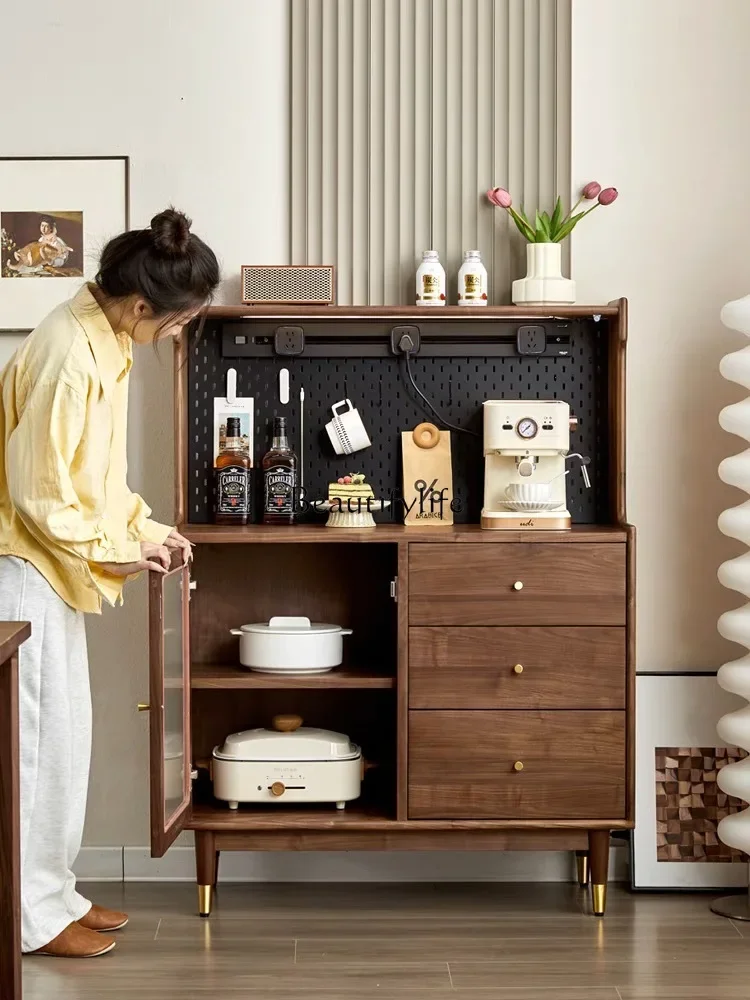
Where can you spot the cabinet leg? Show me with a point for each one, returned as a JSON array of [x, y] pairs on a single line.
[[599, 864], [582, 867], [205, 867]]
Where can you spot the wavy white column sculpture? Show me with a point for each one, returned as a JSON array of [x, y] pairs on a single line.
[[734, 728]]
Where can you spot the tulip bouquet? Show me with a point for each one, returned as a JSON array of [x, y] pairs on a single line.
[[552, 228]]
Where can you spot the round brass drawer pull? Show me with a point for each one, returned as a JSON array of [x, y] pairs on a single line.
[[143, 707], [518, 585], [518, 766], [518, 669]]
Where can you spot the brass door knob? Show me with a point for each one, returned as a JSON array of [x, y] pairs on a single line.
[[518, 766], [143, 707], [518, 585], [277, 788], [518, 669]]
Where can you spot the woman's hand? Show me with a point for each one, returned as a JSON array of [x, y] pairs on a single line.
[[154, 559], [177, 541]]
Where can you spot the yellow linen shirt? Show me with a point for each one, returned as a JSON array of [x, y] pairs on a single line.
[[64, 501]]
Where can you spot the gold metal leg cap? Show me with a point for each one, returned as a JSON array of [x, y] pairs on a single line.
[[599, 898], [582, 865], [204, 899]]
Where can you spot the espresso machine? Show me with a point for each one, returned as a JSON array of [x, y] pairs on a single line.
[[526, 447]]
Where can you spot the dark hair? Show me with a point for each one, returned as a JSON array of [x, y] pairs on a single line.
[[167, 265]]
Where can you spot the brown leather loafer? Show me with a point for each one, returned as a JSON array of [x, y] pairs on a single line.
[[77, 942], [99, 919]]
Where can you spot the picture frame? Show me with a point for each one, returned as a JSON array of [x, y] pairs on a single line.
[[678, 803], [56, 214]]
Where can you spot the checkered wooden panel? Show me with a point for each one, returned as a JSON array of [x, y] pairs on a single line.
[[690, 804]]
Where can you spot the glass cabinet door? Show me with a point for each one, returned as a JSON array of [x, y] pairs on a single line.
[[169, 642]]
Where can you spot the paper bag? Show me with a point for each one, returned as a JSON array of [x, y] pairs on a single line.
[[428, 476]]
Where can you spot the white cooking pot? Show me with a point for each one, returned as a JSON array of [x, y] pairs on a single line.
[[291, 646]]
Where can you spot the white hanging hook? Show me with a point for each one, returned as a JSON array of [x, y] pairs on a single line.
[[232, 386]]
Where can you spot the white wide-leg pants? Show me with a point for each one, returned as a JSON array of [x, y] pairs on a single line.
[[55, 749]]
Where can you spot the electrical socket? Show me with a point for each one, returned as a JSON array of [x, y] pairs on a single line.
[[397, 335], [289, 340]]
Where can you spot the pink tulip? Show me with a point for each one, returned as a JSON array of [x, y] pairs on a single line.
[[607, 196], [500, 197], [591, 190]]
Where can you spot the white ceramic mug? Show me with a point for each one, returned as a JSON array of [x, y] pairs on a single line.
[[528, 492], [346, 430]]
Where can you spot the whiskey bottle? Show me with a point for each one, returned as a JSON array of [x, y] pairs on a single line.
[[233, 478], [279, 478]]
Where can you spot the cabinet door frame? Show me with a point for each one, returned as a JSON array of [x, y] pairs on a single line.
[[165, 829]]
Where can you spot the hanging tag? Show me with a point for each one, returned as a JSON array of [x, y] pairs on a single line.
[[428, 476], [284, 385], [244, 408]]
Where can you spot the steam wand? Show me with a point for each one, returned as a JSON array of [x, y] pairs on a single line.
[[585, 460]]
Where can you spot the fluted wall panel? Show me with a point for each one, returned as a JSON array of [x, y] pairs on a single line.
[[403, 113]]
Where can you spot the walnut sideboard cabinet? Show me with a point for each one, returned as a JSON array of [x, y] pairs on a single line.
[[489, 678]]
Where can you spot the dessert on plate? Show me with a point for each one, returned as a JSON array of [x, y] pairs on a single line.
[[350, 491]]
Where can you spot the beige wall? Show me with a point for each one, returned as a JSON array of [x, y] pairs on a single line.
[[660, 110], [196, 94]]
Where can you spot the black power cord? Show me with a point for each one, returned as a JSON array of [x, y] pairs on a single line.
[[406, 344]]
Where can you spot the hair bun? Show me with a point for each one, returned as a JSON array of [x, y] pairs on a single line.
[[171, 231]]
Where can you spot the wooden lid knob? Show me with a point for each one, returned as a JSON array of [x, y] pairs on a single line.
[[426, 435], [286, 723]]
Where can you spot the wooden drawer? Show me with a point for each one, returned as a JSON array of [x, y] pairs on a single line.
[[461, 765], [474, 667], [575, 584]]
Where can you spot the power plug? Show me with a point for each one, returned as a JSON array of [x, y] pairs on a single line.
[[405, 340]]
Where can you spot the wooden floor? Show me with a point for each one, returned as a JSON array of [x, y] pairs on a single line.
[[396, 942]]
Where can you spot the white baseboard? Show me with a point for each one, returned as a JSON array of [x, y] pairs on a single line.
[[135, 864], [100, 864]]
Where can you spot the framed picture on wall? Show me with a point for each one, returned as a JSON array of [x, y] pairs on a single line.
[[678, 801], [56, 214]]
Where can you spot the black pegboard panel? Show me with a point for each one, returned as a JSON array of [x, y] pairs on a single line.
[[456, 385]]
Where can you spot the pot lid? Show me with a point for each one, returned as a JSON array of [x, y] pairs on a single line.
[[173, 745], [291, 626], [292, 744]]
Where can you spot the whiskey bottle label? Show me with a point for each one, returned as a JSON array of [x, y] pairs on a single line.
[[232, 490], [281, 483]]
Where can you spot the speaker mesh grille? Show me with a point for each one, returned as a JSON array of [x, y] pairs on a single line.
[[287, 284]]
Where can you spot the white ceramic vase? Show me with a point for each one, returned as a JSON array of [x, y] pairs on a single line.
[[734, 728], [544, 283]]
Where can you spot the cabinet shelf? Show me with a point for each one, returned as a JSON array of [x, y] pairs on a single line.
[[460, 533], [356, 816], [228, 676], [213, 815]]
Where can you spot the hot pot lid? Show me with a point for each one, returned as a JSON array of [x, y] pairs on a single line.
[[299, 744], [289, 625], [173, 745]]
